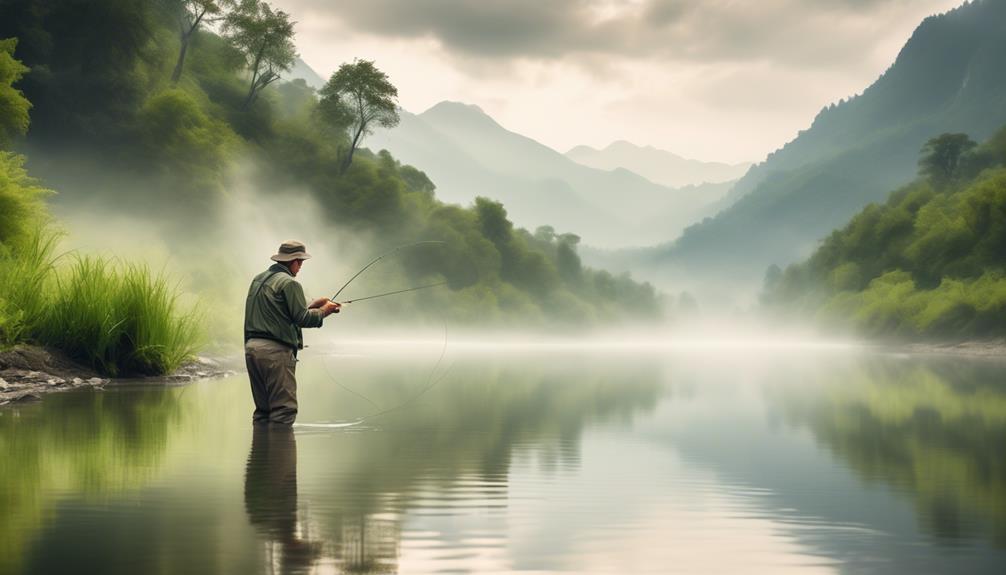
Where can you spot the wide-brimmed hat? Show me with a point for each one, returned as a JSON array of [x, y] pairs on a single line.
[[291, 250]]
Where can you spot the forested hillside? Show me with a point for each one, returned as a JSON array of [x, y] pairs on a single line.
[[948, 78], [931, 261], [468, 153], [139, 108]]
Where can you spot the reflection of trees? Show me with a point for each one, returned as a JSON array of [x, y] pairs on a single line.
[[78, 443], [936, 431], [458, 442]]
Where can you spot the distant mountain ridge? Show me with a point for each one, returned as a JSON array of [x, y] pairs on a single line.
[[656, 165], [948, 77], [467, 154], [305, 72]]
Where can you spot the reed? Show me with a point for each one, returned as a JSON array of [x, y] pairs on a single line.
[[121, 319]]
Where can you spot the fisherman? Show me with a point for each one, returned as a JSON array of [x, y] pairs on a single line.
[[275, 313]]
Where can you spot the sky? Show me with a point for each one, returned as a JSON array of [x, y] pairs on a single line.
[[715, 80]]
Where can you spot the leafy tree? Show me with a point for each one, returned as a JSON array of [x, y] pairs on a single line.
[[191, 15], [265, 37], [357, 97], [941, 157], [13, 105]]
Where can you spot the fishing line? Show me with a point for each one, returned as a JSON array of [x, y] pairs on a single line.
[[381, 257], [430, 382], [428, 387]]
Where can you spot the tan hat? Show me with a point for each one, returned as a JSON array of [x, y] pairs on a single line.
[[291, 250]]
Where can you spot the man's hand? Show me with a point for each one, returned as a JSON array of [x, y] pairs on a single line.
[[330, 307], [318, 303]]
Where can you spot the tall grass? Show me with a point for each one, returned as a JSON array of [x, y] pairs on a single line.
[[120, 319], [25, 278]]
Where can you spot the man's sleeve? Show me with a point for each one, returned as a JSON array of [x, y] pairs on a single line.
[[297, 306]]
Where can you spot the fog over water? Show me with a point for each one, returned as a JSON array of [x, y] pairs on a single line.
[[547, 459]]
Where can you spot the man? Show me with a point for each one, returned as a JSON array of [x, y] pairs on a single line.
[[275, 313]]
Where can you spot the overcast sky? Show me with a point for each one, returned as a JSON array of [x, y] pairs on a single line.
[[726, 80]]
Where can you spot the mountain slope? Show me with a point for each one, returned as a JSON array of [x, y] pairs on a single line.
[[656, 165], [469, 154], [928, 262], [948, 78]]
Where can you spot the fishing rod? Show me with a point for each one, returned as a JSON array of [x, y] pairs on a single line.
[[417, 288], [379, 258]]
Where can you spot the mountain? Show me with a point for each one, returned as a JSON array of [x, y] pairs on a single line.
[[927, 263], [656, 165], [947, 78], [304, 72], [468, 154]]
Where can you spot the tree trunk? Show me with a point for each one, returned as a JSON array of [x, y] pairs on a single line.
[[177, 74], [352, 148], [249, 97]]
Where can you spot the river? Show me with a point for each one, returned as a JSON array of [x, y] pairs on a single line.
[[554, 459]]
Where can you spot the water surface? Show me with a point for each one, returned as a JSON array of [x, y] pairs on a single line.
[[688, 461]]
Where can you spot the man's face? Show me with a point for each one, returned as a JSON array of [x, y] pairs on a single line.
[[295, 266]]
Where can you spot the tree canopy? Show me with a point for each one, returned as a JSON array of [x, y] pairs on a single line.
[[265, 37], [358, 97], [191, 15], [941, 157], [13, 105], [930, 261]]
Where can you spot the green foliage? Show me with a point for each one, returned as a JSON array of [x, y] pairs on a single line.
[[941, 157], [930, 262], [265, 37], [21, 205], [25, 276], [191, 15], [177, 145], [358, 97], [13, 105], [92, 62], [121, 320], [190, 147]]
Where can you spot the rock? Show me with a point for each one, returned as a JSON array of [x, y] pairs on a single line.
[[3, 383], [26, 398], [205, 361], [77, 381], [96, 381]]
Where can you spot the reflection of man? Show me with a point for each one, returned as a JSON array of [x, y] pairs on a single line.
[[275, 312], [271, 496]]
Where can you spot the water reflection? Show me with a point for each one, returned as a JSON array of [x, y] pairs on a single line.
[[554, 463], [934, 430], [271, 500]]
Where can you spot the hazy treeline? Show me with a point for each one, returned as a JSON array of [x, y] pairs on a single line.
[[111, 125], [931, 261]]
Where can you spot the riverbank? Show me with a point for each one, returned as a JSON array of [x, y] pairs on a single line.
[[986, 348], [28, 372]]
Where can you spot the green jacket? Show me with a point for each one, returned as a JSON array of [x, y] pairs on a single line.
[[276, 308]]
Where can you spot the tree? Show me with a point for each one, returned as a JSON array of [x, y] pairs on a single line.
[[359, 96], [941, 157], [192, 14], [265, 37], [13, 105]]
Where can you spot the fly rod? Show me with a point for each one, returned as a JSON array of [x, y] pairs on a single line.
[[379, 258], [417, 288]]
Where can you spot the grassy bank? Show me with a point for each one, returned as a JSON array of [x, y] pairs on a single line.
[[118, 318]]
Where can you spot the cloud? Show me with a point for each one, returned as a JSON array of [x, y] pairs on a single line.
[[690, 30]]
